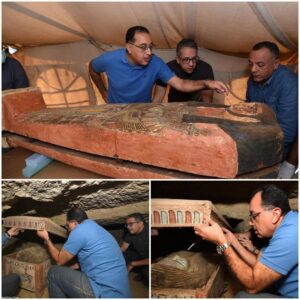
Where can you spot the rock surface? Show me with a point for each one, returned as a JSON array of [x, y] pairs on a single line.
[[54, 198]]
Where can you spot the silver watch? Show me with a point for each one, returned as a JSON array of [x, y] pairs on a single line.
[[222, 248]]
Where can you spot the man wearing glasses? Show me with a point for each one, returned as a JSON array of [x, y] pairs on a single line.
[[187, 65], [135, 246], [276, 266], [133, 71], [277, 86]]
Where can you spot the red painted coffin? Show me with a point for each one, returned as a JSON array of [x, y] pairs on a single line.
[[207, 140]]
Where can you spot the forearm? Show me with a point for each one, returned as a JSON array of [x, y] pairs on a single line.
[[159, 93], [97, 79], [139, 263], [54, 252], [192, 85], [245, 255], [241, 269]]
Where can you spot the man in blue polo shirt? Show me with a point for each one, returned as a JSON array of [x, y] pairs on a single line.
[[274, 272], [133, 71], [277, 86], [103, 272]]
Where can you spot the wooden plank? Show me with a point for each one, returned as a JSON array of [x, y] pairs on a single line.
[[34, 223], [115, 168]]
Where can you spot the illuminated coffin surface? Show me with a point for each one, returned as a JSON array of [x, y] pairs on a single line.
[[183, 213], [191, 137]]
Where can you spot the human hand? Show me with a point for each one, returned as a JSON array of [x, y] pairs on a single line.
[[247, 243], [231, 238], [13, 231], [43, 234], [129, 267], [210, 231], [218, 86]]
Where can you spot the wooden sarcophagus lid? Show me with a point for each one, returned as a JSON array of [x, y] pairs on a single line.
[[191, 137], [183, 213], [34, 223]]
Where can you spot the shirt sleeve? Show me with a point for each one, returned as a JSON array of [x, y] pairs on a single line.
[[282, 253], [75, 242], [287, 110], [165, 73], [99, 63], [4, 238]]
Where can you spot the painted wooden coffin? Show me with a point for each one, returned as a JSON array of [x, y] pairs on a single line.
[[183, 213], [192, 137], [33, 274], [34, 223]]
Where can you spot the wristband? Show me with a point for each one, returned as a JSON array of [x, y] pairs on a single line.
[[46, 242]]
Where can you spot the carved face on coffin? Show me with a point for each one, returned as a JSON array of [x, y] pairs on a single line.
[[183, 269]]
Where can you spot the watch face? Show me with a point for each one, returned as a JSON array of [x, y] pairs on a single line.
[[220, 250]]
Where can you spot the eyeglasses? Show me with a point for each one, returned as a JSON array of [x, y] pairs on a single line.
[[129, 224], [144, 47], [253, 216], [187, 60]]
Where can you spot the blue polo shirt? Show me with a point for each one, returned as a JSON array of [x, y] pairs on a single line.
[[129, 83], [100, 259], [281, 255], [280, 91]]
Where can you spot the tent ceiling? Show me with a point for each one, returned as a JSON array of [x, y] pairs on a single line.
[[220, 26]]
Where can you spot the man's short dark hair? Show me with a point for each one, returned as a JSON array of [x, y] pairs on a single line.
[[76, 214], [137, 216], [273, 48], [186, 43], [132, 31], [273, 196]]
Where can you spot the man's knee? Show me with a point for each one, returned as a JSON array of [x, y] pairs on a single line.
[[53, 273]]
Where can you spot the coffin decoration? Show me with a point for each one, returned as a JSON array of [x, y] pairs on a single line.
[[32, 265], [183, 213], [34, 223], [190, 137], [185, 274]]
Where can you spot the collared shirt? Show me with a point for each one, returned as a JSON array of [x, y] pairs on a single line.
[[280, 91], [129, 83], [100, 259], [281, 255], [202, 71]]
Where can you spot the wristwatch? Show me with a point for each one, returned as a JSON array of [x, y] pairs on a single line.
[[222, 248], [46, 242]]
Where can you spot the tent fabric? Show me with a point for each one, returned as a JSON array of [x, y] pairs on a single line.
[[58, 39]]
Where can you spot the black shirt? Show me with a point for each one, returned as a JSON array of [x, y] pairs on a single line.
[[13, 75], [202, 71], [139, 242]]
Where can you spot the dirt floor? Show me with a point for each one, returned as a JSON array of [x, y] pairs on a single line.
[[13, 163]]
